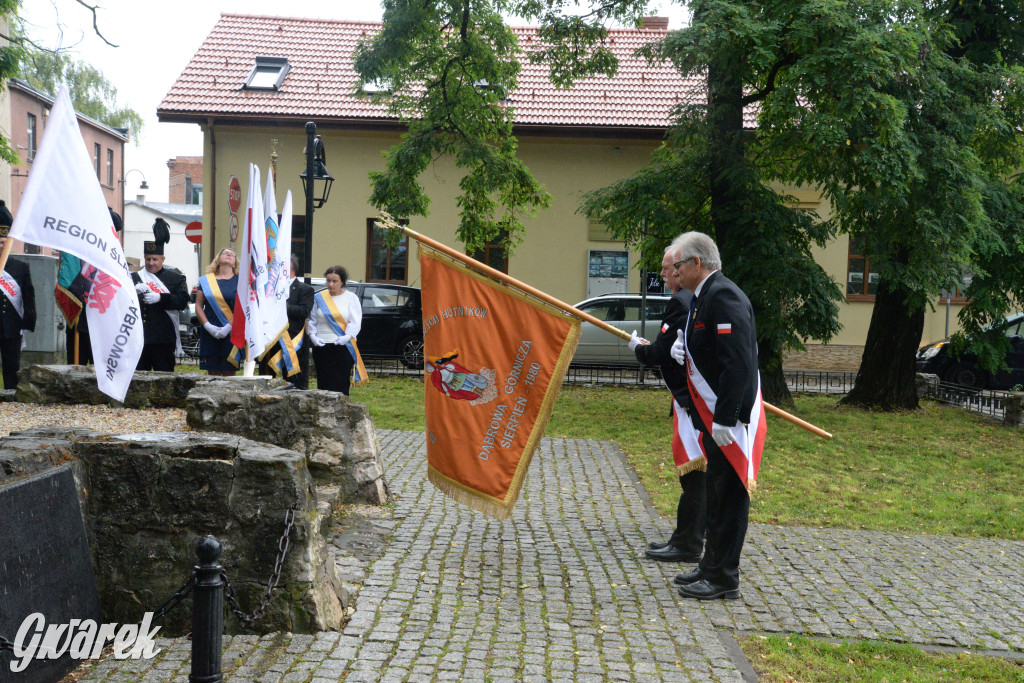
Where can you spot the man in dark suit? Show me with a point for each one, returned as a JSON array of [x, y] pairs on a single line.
[[17, 307], [299, 304], [687, 541], [162, 293], [721, 343]]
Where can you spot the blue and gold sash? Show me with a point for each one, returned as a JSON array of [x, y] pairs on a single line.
[[286, 360], [338, 323], [222, 310]]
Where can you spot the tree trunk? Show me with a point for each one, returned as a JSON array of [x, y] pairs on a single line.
[[773, 382], [887, 371]]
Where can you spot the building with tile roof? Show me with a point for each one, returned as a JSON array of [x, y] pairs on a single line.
[[576, 140]]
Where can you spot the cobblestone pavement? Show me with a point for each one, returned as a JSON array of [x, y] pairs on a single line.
[[560, 591]]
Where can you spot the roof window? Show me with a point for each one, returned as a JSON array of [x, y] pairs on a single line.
[[267, 74]]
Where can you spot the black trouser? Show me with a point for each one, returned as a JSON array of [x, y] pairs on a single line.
[[728, 508], [10, 357], [157, 357], [691, 513], [334, 366], [301, 379]]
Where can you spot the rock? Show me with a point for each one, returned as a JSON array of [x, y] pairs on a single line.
[[335, 435], [77, 384], [150, 498]]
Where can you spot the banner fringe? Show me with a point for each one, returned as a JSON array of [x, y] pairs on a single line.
[[470, 498], [700, 464]]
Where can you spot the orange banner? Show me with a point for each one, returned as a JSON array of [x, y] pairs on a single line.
[[495, 360]]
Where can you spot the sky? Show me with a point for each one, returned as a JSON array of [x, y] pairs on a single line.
[[155, 41]]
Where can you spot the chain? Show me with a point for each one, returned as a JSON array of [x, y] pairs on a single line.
[[175, 599], [229, 592]]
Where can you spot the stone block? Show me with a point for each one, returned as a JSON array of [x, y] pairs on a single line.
[[335, 435]]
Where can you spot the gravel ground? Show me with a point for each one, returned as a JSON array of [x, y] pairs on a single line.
[[16, 417]]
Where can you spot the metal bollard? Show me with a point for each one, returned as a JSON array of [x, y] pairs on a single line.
[[207, 614]]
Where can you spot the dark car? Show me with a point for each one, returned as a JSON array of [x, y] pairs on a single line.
[[937, 358], [392, 321]]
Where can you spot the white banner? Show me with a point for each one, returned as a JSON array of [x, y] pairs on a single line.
[[248, 329], [279, 254], [63, 208]]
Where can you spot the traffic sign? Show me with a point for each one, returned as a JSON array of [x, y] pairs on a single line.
[[234, 194], [194, 232], [234, 227]]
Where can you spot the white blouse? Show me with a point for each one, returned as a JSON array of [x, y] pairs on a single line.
[[320, 330]]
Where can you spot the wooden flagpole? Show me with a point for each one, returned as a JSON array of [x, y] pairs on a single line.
[[557, 303]]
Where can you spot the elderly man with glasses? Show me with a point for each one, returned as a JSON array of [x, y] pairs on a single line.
[[719, 350]]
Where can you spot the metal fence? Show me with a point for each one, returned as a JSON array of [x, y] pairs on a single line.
[[985, 401]]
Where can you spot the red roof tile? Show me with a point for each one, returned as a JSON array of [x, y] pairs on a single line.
[[322, 81]]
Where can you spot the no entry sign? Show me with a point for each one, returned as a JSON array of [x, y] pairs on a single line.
[[194, 232]]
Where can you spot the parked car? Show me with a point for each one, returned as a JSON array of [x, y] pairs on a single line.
[[621, 311], [392, 320], [937, 358]]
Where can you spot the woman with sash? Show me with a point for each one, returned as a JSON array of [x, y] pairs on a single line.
[[215, 302], [333, 326]]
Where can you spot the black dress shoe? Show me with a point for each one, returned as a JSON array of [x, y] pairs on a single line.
[[688, 577], [671, 554], [703, 590], [658, 545]]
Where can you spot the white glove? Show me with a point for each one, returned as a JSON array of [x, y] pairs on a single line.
[[141, 288], [678, 351], [343, 339], [635, 341], [222, 331], [150, 297], [721, 435], [212, 329], [313, 339]]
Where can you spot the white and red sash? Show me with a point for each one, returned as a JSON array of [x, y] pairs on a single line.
[[157, 285], [687, 449], [744, 453], [12, 290]]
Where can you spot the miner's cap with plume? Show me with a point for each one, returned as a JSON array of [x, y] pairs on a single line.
[[161, 236]]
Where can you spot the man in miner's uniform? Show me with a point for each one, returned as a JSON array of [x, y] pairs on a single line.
[[162, 293]]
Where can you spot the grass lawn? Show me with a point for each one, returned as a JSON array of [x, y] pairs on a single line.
[[795, 658], [938, 470]]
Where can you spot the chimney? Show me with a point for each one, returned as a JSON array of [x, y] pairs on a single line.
[[655, 23]]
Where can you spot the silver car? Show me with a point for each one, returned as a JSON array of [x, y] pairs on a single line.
[[621, 311]]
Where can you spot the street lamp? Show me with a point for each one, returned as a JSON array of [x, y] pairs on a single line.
[[316, 184], [142, 185]]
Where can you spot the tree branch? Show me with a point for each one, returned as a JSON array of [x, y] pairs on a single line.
[[95, 24], [769, 87]]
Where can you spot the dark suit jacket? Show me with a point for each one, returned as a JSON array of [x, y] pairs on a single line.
[[11, 324], [722, 341], [300, 303], [658, 353], [157, 326]]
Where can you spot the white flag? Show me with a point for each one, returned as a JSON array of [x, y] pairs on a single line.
[[63, 208], [248, 327], [279, 254]]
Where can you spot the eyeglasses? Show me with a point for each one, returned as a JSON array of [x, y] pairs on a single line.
[[685, 260]]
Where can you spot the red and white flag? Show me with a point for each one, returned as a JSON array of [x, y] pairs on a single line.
[[247, 327], [744, 453], [63, 208], [687, 448]]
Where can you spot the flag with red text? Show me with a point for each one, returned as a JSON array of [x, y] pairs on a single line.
[[63, 208]]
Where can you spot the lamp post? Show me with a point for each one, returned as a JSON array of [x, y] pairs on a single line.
[[316, 184], [142, 186]]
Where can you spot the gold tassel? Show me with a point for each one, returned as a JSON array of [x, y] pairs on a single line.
[[700, 464]]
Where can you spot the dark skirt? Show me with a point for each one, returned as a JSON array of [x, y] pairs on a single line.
[[213, 353]]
